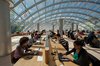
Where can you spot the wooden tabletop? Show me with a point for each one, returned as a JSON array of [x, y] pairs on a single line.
[[34, 60], [61, 49], [99, 39]]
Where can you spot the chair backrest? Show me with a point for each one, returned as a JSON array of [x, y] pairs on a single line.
[[64, 43], [95, 61], [12, 55]]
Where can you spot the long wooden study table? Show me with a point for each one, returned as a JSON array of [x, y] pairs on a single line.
[[41, 60], [35, 60], [60, 49], [93, 52]]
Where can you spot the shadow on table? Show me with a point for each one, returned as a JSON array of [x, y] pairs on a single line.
[[32, 54]]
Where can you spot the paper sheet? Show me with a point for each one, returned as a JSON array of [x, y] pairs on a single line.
[[38, 41], [40, 58], [61, 65], [39, 49]]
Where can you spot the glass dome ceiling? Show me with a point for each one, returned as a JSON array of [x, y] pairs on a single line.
[[28, 12]]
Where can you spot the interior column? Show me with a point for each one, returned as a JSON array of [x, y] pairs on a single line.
[[76, 26], [38, 27], [72, 26], [53, 27], [5, 34], [61, 27]]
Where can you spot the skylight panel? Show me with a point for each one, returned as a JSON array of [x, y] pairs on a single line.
[[28, 3], [15, 1], [34, 9], [25, 15], [41, 5], [12, 15], [49, 2], [19, 9], [37, 1], [57, 1]]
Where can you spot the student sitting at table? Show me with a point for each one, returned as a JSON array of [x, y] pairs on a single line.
[[80, 56], [58, 35], [91, 37], [72, 35], [21, 49], [77, 34]]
